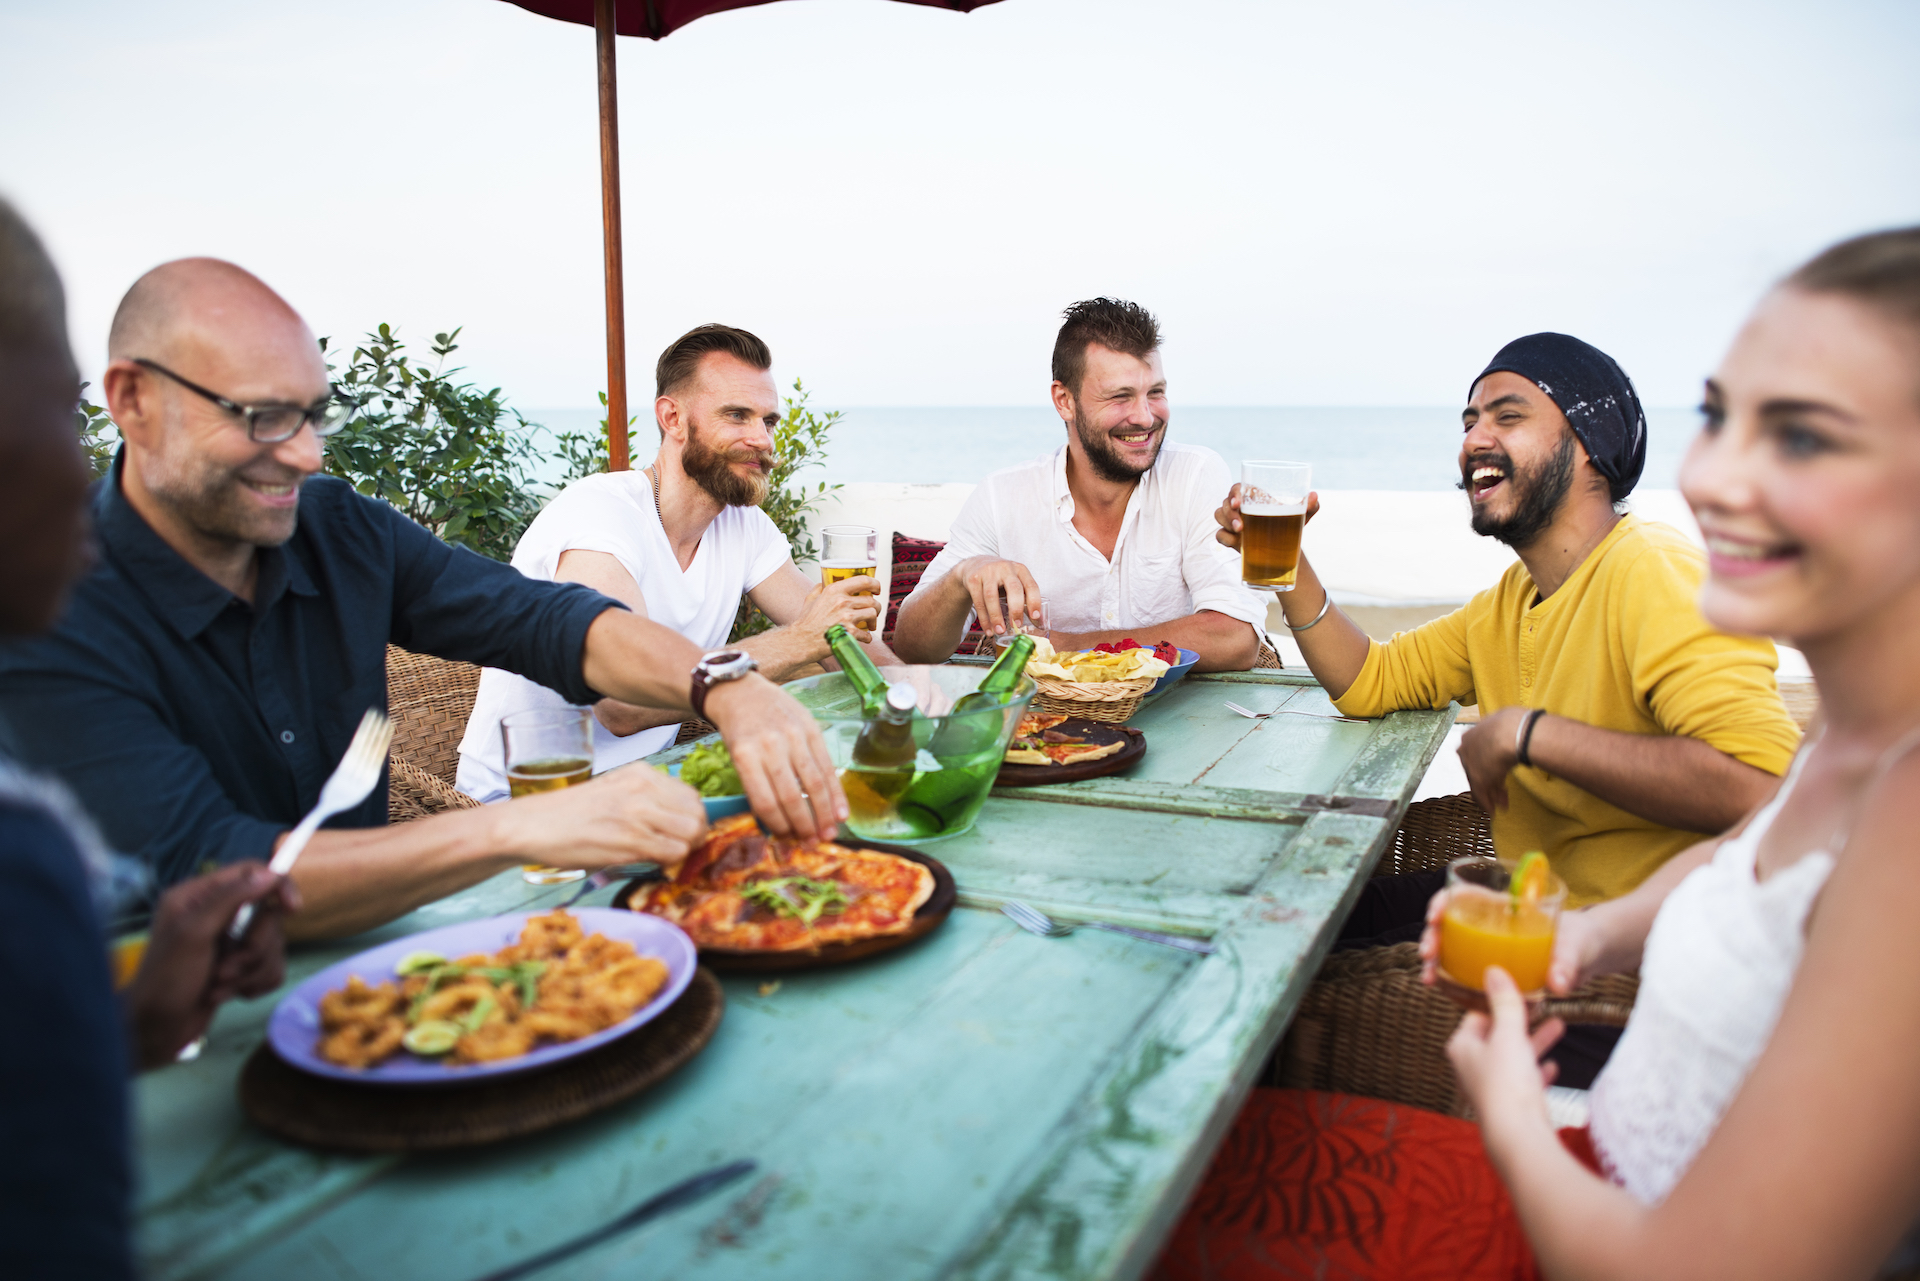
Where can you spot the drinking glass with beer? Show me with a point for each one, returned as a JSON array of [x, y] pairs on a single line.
[[1502, 914], [1273, 511], [546, 750], [849, 551]]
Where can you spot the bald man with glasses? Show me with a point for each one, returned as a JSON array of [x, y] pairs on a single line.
[[218, 657]]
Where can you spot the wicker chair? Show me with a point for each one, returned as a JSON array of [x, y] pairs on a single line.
[[691, 728], [1369, 1026], [429, 699]]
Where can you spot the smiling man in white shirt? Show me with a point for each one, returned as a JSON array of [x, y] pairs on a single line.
[[1113, 531], [679, 542]]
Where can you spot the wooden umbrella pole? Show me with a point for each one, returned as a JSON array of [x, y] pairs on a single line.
[[603, 27]]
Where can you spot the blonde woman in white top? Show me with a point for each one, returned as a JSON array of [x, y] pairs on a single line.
[[1761, 1117]]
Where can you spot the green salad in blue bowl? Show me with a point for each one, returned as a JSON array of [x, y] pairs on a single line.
[[708, 769]]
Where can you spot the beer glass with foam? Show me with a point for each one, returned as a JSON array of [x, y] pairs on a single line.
[[547, 749], [1273, 511], [849, 551]]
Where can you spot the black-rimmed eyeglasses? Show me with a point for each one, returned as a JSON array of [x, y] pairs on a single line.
[[269, 424]]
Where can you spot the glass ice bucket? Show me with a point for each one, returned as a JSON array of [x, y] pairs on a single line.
[[940, 792]]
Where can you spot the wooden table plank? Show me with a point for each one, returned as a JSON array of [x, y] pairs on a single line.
[[1103, 1192]]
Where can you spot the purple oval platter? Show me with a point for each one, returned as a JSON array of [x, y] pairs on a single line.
[[294, 1029]]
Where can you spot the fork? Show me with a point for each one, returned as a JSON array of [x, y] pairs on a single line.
[[1252, 715], [345, 788], [608, 875], [1034, 921]]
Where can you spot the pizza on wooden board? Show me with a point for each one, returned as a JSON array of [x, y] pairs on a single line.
[[1038, 740], [742, 890]]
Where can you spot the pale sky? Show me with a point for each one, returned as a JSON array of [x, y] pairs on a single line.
[[1351, 203]]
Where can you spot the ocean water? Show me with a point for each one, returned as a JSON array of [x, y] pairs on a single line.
[[1350, 448]]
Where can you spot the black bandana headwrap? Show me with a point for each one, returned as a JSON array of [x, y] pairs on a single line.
[[1594, 393]]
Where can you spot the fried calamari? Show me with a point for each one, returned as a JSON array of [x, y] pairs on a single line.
[[556, 984]]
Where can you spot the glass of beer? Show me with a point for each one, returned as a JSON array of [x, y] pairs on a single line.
[[1273, 511], [1489, 920], [849, 551], [546, 750]]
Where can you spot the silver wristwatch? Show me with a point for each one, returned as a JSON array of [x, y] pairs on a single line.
[[717, 668]]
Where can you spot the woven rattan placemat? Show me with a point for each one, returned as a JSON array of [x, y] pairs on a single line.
[[322, 1113]]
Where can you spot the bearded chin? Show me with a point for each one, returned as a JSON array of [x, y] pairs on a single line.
[[1541, 494], [1107, 464], [713, 473]]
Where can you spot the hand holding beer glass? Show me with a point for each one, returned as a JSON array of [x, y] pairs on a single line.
[[547, 749], [850, 551], [1273, 512]]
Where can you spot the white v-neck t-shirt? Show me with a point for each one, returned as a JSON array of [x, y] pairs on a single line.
[[614, 513]]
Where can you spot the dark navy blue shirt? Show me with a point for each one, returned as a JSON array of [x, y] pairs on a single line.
[[196, 727], [66, 1184]]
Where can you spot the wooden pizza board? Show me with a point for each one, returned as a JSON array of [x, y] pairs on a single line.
[[1095, 732]]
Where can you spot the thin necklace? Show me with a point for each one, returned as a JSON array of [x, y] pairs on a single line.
[[654, 476]]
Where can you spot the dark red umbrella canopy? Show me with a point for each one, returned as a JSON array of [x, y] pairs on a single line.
[[657, 18], [653, 19]]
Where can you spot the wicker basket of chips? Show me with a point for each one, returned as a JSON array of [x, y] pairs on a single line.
[[1113, 701], [1097, 686]]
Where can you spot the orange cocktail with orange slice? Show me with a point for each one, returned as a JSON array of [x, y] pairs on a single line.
[[1500, 914]]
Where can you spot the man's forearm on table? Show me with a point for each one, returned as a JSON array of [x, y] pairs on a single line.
[[354, 879], [624, 719], [1224, 643], [1677, 782]]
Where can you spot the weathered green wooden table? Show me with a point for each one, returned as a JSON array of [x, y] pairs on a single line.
[[983, 1104]]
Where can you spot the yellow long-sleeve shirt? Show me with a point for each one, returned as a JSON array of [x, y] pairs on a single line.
[[1622, 646]]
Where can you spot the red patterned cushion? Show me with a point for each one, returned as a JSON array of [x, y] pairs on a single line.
[[911, 556], [1311, 1185]]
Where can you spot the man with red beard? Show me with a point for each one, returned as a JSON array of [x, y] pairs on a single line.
[[1112, 530], [679, 542]]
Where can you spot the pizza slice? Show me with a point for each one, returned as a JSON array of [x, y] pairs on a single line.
[[1034, 724], [1076, 753]]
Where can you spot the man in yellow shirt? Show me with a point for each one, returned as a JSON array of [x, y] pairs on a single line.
[[1616, 726]]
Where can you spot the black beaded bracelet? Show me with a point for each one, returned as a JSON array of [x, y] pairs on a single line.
[[1526, 734]]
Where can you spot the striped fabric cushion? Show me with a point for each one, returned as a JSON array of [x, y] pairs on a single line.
[[911, 556]]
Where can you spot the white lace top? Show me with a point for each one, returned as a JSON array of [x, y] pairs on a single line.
[[1717, 967]]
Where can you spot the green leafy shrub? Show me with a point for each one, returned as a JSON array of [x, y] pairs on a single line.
[[452, 457], [586, 453], [98, 436]]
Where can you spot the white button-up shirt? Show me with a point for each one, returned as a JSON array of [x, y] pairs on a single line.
[[1166, 563]]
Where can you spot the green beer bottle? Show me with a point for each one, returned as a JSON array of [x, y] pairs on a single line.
[[882, 770], [866, 678], [1000, 680], [886, 742], [976, 721]]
